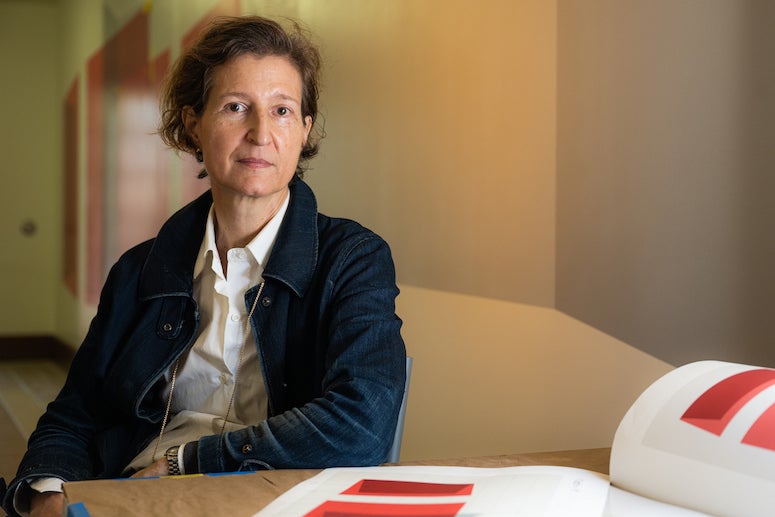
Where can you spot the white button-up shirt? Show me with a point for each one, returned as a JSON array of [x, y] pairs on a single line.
[[205, 379]]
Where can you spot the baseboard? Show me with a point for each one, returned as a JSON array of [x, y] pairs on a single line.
[[35, 347]]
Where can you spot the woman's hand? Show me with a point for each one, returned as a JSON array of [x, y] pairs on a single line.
[[47, 504], [157, 468], [51, 504]]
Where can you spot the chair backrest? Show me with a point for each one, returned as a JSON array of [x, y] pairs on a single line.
[[395, 450]]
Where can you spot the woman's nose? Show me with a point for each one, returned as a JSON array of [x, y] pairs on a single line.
[[258, 131]]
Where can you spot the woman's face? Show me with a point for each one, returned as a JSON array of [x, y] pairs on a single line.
[[251, 130]]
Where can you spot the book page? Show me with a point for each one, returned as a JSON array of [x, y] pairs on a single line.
[[626, 504], [702, 437], [530, 491]]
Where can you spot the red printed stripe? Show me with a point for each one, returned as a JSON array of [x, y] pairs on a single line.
[[408, 488], [349, 509], [714, 409], [762, 432]]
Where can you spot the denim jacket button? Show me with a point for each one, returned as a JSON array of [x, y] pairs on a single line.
[[167, 327], [266, 301], [247, 449]]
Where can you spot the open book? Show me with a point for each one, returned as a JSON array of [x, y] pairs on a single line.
[[702, 437], [699, 441]]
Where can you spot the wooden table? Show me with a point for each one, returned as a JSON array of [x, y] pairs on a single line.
[[590, 459], [245, 494]]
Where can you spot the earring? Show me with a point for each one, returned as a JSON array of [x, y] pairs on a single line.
[[198, 155]]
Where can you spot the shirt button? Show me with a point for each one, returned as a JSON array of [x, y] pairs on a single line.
[[234, 317], [225, 378], [247, 449]]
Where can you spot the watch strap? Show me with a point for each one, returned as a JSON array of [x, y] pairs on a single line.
[[173, 465]]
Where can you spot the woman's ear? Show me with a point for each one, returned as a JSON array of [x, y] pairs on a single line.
[[307, 128], [190, 122]]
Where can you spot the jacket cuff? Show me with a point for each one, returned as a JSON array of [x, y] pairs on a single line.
[[190, 458]]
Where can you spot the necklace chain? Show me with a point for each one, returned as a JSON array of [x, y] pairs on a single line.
[[236, 376]]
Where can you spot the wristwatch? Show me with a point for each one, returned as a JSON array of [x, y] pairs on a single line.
[[172, 461]]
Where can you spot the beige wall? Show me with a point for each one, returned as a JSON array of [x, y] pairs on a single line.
[[31, 150], [666, 174], [494, 377], [476, 137], [442, 119]]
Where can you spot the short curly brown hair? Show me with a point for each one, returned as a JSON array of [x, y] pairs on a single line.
[[188, 82]]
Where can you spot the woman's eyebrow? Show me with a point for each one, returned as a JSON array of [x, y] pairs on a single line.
[[272, 95]]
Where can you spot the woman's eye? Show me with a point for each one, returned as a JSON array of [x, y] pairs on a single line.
[[283, 111], [235, 107]]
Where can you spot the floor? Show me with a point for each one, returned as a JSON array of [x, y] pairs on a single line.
[[26, 387]]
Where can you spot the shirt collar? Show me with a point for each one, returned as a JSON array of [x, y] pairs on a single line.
[[169, 263], [260, 246]]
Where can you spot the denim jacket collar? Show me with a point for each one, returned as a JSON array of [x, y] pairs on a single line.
[[169, 269]]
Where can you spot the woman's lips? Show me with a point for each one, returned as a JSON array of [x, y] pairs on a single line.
[[255, 163]]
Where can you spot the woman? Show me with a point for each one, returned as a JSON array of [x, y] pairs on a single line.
[[252, 332]]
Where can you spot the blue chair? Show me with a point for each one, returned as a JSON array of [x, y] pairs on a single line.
[[395, 450]]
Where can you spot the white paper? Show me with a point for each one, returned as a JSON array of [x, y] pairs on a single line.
[[626, 504], [529, 491], [699, 439]]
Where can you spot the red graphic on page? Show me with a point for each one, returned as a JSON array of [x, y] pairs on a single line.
[[714, 409], [391, 488], [352, 509], [408, 488]]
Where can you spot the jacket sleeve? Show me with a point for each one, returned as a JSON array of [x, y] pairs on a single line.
[[62, 445], [361, 359]]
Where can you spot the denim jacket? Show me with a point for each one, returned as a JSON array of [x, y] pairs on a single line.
[[327, 337]]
